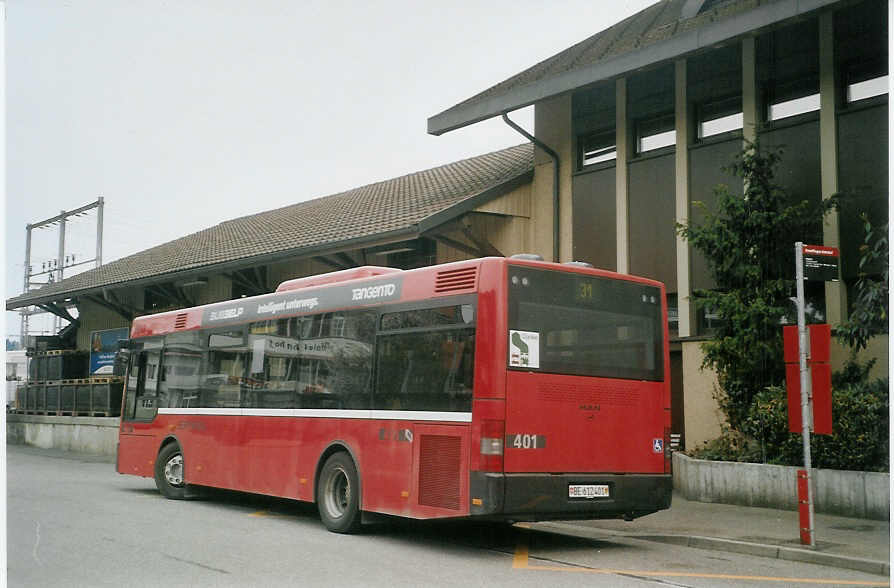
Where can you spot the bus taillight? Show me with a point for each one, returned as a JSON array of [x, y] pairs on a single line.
[[492, 445]]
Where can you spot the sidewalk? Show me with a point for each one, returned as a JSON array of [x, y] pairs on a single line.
[[858, 544]]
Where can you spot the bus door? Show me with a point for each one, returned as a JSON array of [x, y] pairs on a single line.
[[137, 439]]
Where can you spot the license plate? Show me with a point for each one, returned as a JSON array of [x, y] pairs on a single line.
[[588, 491]]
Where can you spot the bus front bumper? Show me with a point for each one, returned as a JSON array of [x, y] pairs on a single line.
[[538, 497]]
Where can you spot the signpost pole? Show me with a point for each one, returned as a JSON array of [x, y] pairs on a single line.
[[803, 347]]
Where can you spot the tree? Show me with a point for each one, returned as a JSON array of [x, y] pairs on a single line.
[[748, 242], [869, 315]]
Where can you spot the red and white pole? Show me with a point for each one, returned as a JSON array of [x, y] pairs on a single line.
[[805, 515]]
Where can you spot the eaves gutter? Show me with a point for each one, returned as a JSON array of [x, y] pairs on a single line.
[[677, 46], [320, 249]]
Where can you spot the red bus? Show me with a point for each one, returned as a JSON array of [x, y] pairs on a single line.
[[501, 388]]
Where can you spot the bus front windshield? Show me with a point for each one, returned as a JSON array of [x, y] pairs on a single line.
[[575, 324]]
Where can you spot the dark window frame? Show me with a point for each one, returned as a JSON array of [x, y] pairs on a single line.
[[717, 109], [605, 139], [653, 126], [859, 71], [573, 366], [787, 91], [243, 331], [386, 314], [379, 397], [242, 380], [138, 358]]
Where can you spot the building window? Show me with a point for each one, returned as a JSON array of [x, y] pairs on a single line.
[[788, 70], [655, 133], [864, 79], [707, 320], [598, 148], [719, 116], [861, 50], [795, 106], [673, 314], [867, 89]]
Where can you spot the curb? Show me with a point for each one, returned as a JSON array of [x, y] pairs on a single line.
[[868, 566]]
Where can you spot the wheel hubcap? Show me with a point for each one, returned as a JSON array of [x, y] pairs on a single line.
[[174, 471], [338, 493]]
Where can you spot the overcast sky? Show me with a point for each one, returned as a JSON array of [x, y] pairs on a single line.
[[182, 114]]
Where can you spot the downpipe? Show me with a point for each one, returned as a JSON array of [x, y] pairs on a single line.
[[555, 157]]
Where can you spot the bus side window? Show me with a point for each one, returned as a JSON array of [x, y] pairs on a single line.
[[274, 348], [335, 363], [137, 364], [142, 385], [425, 371], [224, 384], [179, 384]]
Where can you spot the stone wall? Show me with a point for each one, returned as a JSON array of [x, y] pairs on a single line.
[[92, 435], [844, 493]]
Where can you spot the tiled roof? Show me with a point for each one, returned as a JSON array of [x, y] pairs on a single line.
[[654, 23], [353, 217], [669, 28]]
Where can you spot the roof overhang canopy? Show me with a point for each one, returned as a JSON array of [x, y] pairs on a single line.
[[371, 216], [487, 104]]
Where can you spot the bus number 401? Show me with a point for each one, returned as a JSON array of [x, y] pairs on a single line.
[[526, 441]]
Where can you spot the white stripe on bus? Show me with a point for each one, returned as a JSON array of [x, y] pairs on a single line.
[[327, 413], [422, 415], [202, 411]]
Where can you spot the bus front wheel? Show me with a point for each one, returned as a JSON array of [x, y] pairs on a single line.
[[338, 498], [169, 472]]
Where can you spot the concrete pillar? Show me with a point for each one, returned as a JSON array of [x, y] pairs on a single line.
[[751, 117], [623, 144], [552, 125], [704, 419], [836, 298], [681, 209]]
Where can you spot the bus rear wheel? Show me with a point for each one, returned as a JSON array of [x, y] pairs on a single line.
[[169, 472], [338, 494]]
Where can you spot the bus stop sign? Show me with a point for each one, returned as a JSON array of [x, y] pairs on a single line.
[[820, 263]]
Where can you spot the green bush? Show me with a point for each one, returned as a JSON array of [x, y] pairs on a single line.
[[860, 422], [860, 426], [729, 446], [767, 423]]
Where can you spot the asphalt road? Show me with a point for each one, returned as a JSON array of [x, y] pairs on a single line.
[[73, 521]]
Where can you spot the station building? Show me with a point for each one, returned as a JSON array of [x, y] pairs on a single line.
[[632, 127]]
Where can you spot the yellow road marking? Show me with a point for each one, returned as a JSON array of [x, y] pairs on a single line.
[[520, 561], [266, 513]]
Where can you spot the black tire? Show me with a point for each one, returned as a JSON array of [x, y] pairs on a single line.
[[338, 494], [169, 473]]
